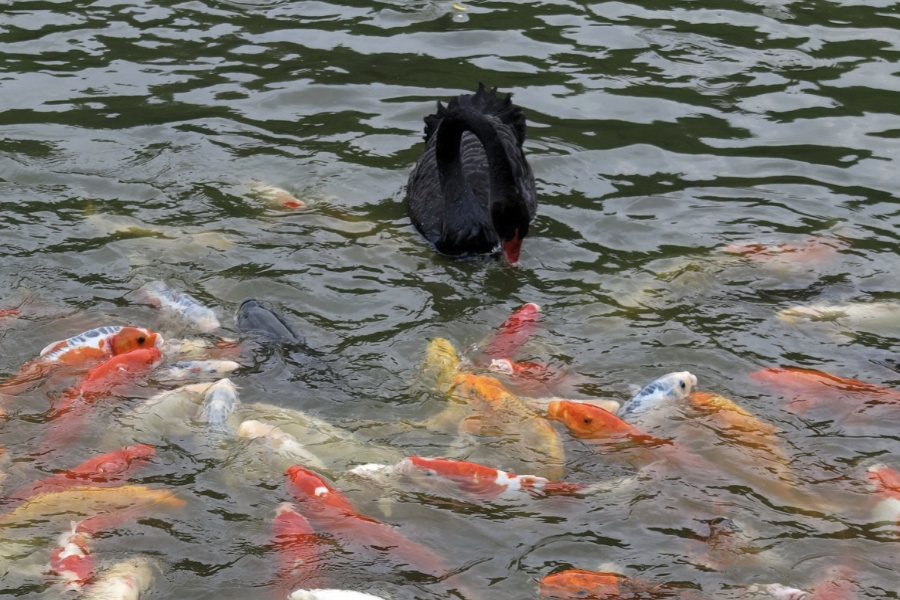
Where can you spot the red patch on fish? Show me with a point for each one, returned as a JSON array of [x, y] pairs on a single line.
[[513, 332], [578, 583], [805, 388], [73, 559], [812, 251], [297, 545]]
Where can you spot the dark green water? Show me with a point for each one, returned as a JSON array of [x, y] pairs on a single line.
[[131, 133]]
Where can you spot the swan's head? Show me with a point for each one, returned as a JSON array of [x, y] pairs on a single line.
[[511, 224]]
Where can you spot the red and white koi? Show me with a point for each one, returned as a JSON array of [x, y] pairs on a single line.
[[479, 481], [297, 545], [182, 306], [513, 332], [277, 197], [331, 512], [777, 591], [886, 482], [73, 559]]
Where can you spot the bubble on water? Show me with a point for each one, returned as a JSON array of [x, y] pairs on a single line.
[[460, 17]]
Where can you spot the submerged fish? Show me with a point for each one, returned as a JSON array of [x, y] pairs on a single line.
[[193, 370], [473, 479], [276, 197], [666, 389], [72, 560], [280, 441], [777, 591], [513, 332], [809, 252], [330, 512], [574, 584], [182, 306], [440, 365], [126, 580], [886, 482], [733, 417], [218, 406], [531, 438], [526, 373], [860, 314], [254, 318], [331, 595], [298, 550], [806, 388], [109, 468]]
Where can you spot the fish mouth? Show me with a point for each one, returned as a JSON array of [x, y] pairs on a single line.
[[160, 342]]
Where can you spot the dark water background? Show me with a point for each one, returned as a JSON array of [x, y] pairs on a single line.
[[131, 132]]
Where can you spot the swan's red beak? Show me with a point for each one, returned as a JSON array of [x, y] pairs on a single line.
[[511, 249]]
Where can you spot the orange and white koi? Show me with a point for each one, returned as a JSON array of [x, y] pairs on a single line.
[[805, 388], [473, 479], [182, 306], [297, 545], [277, 197], [331, 512], [886, 482], [72, 559], [126, 580], [110, 468], [513, 332]]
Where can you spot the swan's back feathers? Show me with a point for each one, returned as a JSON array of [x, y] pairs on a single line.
[[485, 102]]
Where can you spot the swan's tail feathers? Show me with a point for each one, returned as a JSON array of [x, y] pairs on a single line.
[[485, 102]]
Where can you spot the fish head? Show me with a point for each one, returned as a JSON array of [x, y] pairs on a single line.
[[586, 420], [679, 384], [138, 452], [134, 338], [307, 486]]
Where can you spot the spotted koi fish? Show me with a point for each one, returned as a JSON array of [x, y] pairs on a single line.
[[668, 388]]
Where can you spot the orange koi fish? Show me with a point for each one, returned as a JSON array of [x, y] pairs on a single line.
[[588, 421], [807, 388], [86, 349], [837, 584], [499, 412], [733, 417], [513, 332], [71, 408], [298, 549], [329, 511], [483, 482], [110, 469], [581, 584]]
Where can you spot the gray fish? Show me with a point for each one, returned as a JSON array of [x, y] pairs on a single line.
[[254, 318]]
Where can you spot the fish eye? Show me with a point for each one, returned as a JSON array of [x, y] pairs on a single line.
[[588, 420], [141, 339], [682, 383]]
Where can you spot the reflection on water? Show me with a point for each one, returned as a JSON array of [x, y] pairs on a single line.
[[717, 195]]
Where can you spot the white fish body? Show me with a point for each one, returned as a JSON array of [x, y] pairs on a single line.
[[187, 370], [124, 581], [331, 595], [182, 306], [218, 406], [851, 314], [665, 390], [777, 591], [280, 441]]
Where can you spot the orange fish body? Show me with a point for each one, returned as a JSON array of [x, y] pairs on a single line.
[[297, 545], [808, 387], [498, 412], [110, 468], [513, 332], [329, 511], [589, 421], [578, 583], [481, 481]]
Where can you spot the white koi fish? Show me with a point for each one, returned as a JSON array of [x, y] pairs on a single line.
[[331, 595], [280, 441], [219, 404], [668, 388], [194, 370], [123, 581], [182, 306]]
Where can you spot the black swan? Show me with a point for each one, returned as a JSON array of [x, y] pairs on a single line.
[[472, 190]]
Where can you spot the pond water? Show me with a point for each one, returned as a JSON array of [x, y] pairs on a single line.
[[132, 135]]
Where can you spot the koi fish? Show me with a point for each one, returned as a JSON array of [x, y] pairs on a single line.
[[331, 595], [860, 314], [579, 583], [513, 332], [126, 580], [182, 306], [78, 501], [812, 251], [732, 415], [809, 388], [668, 388], [588, 421], [720, 546], [479, 481], [110, 468], [498, 412], [777, 591], [526, 372], [277, 197], [297, 545], [72, 560], [86, 349], [886, 482], [280, 441], [837, 584], [253, 317], [196, 369], [441, 364], [218, 406], [330, 511]]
